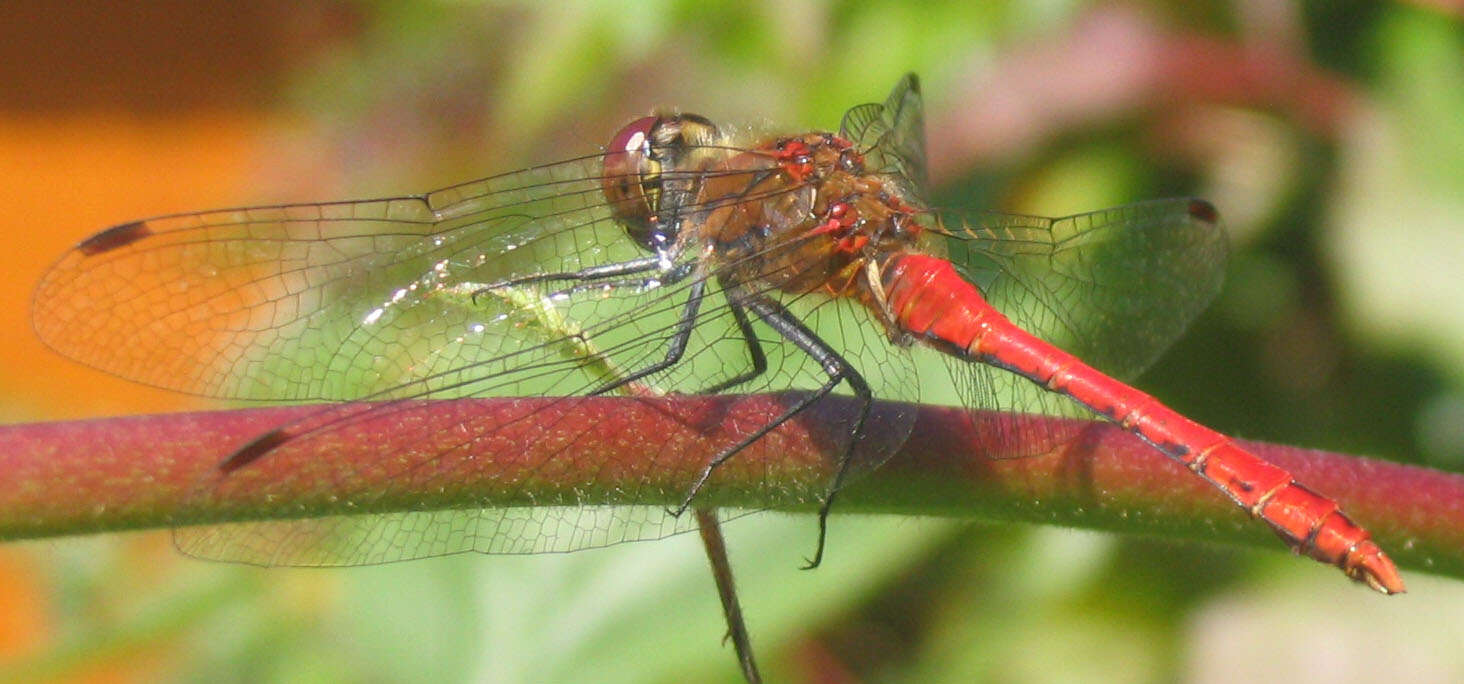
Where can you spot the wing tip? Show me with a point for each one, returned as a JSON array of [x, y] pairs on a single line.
[[914, 81], [115, 237], [1202, 210]]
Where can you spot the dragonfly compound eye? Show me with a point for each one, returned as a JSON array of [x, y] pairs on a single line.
[[645, 175]]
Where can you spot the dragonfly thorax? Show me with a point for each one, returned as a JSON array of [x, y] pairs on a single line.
[[817, 220]]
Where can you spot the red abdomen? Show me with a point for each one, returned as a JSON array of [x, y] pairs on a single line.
[[931, 300]]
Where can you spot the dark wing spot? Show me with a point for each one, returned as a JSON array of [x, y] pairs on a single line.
[[114, 237], [1174, 449], [254, 450], [1204, 211]]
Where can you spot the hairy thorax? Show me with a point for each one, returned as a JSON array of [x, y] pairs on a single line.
[[816, 220]]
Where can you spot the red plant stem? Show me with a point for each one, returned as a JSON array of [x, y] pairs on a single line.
[[137, 472]]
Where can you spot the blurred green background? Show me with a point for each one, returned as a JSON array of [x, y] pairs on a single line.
[[1330, 135]]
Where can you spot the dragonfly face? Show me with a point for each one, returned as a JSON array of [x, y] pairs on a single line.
[[649, 174]]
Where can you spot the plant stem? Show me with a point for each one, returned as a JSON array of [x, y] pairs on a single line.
[[137, 472]]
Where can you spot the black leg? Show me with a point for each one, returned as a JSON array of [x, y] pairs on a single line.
[[591, 274], [725, 454], [662, 277], [619, 268], [678, 341], [606, 276], [838, 370], [837, 367], [845, 462], [755, 351]]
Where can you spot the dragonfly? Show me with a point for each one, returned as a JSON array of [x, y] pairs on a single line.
[[683, 258]]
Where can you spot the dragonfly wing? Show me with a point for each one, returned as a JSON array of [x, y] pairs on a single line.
[[1113, 287], [557, 498], [314, 301], [391, 537], [384, 303], [892, 136], [444, 483]]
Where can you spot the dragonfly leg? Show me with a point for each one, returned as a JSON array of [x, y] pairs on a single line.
[[678, 342], [662, 277], [684, 327], [755, 351], [729, 452], [592, 274], [838, 370]]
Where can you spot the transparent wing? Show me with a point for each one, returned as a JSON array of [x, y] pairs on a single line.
[[892, 137], [403, 299], [1113, 287], [315, 301]]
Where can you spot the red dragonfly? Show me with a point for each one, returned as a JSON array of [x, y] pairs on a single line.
[[677, 261]]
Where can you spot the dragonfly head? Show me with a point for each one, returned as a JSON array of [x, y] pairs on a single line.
[[648, 173]]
